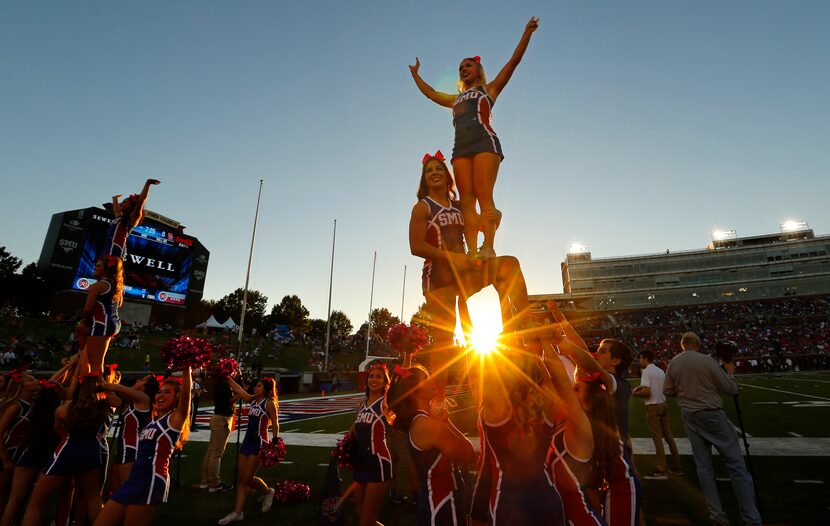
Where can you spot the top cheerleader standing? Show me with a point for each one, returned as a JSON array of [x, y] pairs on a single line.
[[477, 151]]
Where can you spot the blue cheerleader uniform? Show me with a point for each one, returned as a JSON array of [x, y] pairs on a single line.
[[440, 499], [471, 119], [105, 320], [521, 491], [118, 232], [77, 452], [373, 462], [256, 435], [149, 480], [18, 432], [132, 422]]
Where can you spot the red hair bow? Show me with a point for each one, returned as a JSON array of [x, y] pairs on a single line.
[[112, 367], [173, 379], [377, 366], [92, 374], [401, 372], [477, 59], [438, 155], [16, 376], [47, 384], [593, 377]]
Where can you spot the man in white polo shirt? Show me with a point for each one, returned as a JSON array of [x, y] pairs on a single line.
[[651, 389]]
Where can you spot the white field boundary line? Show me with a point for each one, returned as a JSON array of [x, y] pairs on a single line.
[[785, 392], [805, 380]]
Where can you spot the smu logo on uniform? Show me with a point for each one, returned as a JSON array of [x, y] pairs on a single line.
[[450, 218], [149, 433], [365, 417], [256, 410], [467, 95]]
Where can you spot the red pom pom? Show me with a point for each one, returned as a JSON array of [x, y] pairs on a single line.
[[184, 351], [272, 453], [225, 368], [407, 338], [344, 452], [291, 491]]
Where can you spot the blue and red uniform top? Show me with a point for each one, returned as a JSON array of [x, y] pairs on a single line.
[[471, 115], [370, 431], [105, 320], [440, 478], [568, 471], [133, 421], [18, 432], [258, 420], [118, 232], [445, 230]]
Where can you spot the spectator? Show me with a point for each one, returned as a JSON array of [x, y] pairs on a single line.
[[657, 415]]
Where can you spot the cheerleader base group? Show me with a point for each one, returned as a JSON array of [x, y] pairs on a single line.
[[552, 450]]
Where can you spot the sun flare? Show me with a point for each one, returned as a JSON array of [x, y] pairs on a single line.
[[486, 317]]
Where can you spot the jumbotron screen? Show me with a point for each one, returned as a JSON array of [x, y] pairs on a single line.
[[157, 267]]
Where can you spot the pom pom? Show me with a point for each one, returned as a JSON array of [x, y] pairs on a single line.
[[225, 368], [291, 491], [344, 451], [272, 453], [407, 338], [184, 351]]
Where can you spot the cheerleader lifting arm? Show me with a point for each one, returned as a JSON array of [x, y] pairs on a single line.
[[495, 87], [240, 392], [442, 99], [182, 412], [139, 398], [138, 210]]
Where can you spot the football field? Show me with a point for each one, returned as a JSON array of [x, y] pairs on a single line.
[[786, 417]]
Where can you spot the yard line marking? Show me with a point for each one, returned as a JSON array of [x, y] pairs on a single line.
[[317, 431], [288, 462], [326, 465], [342, 432], [796, 435], [808, 481], [785, 392], [290, 430], [808, 379]]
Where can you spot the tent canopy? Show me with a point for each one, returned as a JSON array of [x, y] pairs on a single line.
[[210, 323], [230, 324]]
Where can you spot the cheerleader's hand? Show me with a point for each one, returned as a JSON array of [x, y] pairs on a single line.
[[532, 25], [414, 69], [153, 181]]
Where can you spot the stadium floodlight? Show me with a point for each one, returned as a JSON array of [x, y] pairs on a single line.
[[577, 248], [793, 226], [720, 235]]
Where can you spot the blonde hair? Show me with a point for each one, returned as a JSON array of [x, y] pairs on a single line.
[[482, 77]]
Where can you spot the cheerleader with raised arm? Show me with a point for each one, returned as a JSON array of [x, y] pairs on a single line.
[[263, 407], [477, 152], [134, 503]]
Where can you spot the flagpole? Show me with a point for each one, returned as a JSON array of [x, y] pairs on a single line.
[[331, 280], [403, 293], [248, 274], [371, 299]]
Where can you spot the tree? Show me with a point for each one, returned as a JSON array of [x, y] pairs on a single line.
[[317, 329], [341, 325], [8, 263], [290, 311], [231, 306], [382, 320]]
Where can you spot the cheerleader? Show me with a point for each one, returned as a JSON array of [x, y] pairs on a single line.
[[477, 152], [438, 449], [39, 445], [515, 424], [571, 450], [81, 424], [128, 214], [100, 316], [15, 424], [134, 415], [372, 459], [262, 412], [134, 503]]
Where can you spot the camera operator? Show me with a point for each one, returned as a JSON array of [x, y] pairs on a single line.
[[698, 383]]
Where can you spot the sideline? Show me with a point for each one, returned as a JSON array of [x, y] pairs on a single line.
[[785, 392]]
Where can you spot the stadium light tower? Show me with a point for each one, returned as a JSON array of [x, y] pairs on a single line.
[[793, 226], [578, 248], [721, 235]]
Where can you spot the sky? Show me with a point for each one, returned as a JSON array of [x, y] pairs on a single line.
[[633, 127]]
